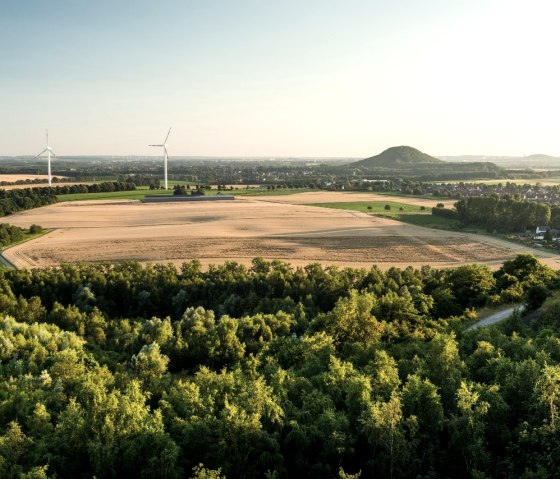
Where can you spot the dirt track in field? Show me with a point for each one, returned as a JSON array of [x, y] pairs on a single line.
[[275, 227]]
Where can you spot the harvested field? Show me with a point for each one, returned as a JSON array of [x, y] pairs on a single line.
[[21, 177], [350, 197], [42, 185], [240, 230]]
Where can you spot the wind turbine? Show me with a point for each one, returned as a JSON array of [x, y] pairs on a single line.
[[164, 146], [49, 152]]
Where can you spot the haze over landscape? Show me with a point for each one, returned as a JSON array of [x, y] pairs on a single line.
[[251, 78], [341, 262]]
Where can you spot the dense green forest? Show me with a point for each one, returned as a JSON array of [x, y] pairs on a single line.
[[119, 370], [503, 214]]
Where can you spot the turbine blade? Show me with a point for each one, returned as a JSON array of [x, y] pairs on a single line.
[[47, 132], [165, 141], [44, 151], [156, 145]]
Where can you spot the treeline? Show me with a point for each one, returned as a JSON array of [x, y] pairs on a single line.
[[9, 234], [141, 180], [445, 213], [502, 214], [12, 201], [430, 172], [270, 371], [104, 187]]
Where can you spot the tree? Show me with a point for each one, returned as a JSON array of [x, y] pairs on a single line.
[[351, 320], [386, 427], [547, 392], [200, 472], [471, 284], [387, 207], [467, 427], [150, 365], [35, 229]]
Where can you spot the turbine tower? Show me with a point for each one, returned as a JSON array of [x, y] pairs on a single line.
[[164, 146], [48, 150]]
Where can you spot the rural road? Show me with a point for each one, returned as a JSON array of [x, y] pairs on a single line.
[[494, 318]]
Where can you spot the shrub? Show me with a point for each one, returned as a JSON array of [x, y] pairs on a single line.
[[35, 229]]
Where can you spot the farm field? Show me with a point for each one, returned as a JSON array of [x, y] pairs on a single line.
[[272, 227], [22, 177]]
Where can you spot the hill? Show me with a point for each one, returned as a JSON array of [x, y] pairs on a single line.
[[397, 157]]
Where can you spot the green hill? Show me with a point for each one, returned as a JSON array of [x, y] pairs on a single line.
[[397, 157]]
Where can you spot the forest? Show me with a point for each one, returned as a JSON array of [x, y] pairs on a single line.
[[503, 214], [120, 370]]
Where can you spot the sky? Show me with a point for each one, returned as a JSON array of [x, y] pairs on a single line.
[[312, 78]]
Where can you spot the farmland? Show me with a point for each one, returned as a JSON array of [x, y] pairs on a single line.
[[274, 227]]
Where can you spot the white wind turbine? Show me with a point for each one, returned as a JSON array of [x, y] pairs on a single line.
[[164, 146], [48, 150]]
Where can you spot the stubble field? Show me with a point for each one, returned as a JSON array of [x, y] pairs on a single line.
[[272, 227]]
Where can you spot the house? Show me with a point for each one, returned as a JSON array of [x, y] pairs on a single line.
[[540, 232]]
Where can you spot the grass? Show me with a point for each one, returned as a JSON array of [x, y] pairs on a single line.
[[404, 195], [410, 213], [137, 194], [373, 207], [27, 236], [142, 191]]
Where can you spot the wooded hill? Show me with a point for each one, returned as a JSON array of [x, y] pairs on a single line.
[[407, 162], [396, 157]]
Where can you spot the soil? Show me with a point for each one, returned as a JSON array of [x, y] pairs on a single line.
[[280, 227]]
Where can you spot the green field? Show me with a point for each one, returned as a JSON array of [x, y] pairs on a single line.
[[27, 236], [137, 194], [409, 214], [142, 191], [403, 195], [374, 207]]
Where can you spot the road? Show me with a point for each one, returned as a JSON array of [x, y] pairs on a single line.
[[494, 318]]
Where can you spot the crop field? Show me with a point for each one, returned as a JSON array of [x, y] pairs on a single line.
[[272, 227]]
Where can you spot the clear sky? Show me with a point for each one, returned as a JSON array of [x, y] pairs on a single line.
[[280, 77]]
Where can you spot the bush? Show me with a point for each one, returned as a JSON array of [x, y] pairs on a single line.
[[445, 213], [387, 207], [35, 229], [536, 296]]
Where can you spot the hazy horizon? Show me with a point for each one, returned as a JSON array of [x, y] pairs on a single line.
[[248, 78]]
